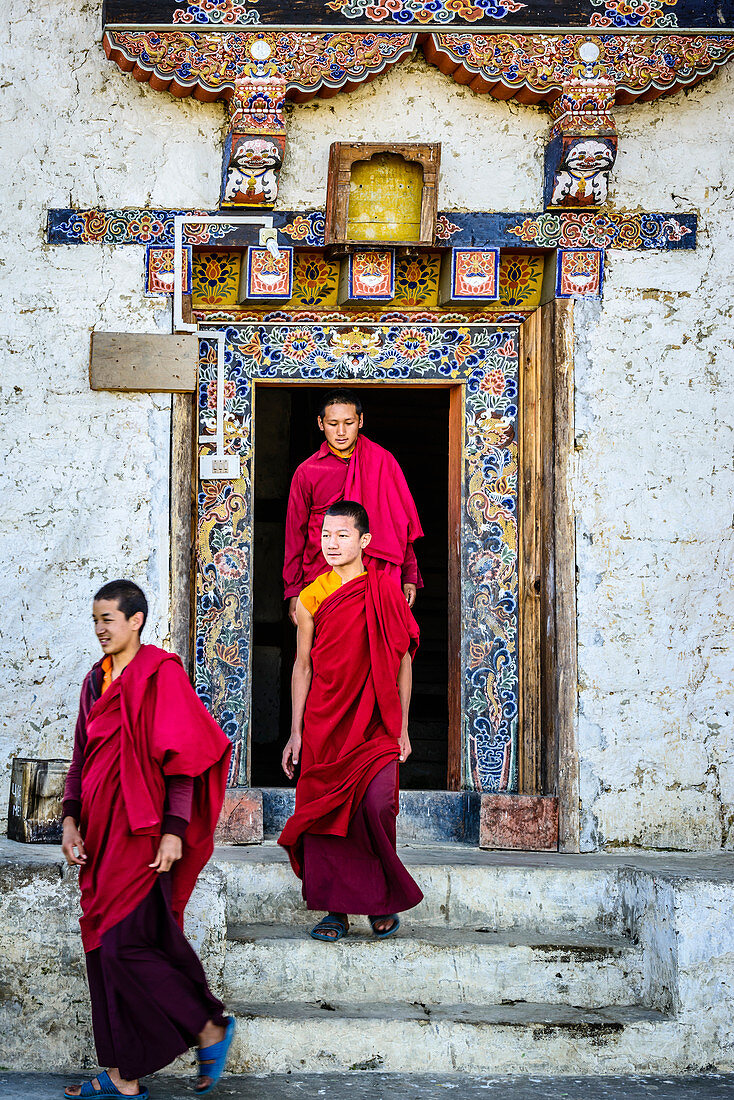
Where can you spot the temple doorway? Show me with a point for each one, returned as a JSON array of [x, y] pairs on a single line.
[[413, 423]]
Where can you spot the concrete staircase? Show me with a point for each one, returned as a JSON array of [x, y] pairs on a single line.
[[511, 964]]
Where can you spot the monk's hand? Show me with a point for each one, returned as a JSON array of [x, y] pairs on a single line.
[[410, 591], [292, 604], [72, 844], [404, 746], [291, 754], [170, 850]]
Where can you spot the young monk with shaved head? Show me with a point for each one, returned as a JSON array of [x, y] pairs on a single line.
[[350, 466], [142, 798], [351, 690]]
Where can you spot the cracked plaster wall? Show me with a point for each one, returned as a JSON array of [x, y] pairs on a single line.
[[84, 477], [85, 474], [653, 496]]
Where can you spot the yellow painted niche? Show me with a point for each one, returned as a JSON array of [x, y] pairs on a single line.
[[385, 199]]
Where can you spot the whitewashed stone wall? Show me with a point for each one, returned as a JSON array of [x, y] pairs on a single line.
[[654, 486], [84, 481], [84, 476]]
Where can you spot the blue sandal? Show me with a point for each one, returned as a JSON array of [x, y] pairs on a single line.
[[388, 931], [106, 1091], [332, 922], [215, 1058]]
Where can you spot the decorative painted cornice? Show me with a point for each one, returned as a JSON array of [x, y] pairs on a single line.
[[531, 68]]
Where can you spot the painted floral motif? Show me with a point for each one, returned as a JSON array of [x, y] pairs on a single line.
[[633, 13], [592, 230], [544, 62], [299, 344], [216, 279], [521, 278], [416, 280], [411, 343], [586, 229], [424, 11], [484, 360], [131, 226], [216, 11], [214, 61], [315, 281]]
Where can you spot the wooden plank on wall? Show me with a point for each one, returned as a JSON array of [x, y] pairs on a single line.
[[566, 658], [183, 457], [147, 362], [529, 556]]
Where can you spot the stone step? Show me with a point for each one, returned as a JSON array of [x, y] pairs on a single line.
[[464, 887], [301, 1037], [426, 817], [430, 965]]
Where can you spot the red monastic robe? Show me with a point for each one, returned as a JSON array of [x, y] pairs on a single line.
[[353, 716], [371, 476], [148, 725]]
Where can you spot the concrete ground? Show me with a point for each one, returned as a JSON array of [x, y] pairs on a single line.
[[382, 1086]]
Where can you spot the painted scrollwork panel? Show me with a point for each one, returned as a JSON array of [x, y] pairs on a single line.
[[482, 359]]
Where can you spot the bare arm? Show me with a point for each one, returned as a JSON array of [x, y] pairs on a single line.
[[405, 688], [300, 687]]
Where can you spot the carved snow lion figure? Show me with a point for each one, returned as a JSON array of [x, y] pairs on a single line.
[[582, 178], [252, 174]]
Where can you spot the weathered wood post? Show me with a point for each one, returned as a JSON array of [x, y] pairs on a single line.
[[36, 796]]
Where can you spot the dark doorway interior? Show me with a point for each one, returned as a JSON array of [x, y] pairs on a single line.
[[413, 423]]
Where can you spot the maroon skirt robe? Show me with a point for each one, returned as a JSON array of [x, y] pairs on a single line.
[[341, 837], [147, 736]]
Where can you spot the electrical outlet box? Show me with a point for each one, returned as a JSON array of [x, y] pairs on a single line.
[[219, 467]]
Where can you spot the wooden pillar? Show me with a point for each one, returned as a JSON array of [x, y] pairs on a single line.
[[548, 765], [564, 541], [530, 499]]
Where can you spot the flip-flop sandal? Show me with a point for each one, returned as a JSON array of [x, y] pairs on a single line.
[[382, 935], [214, 1058], [107, 1090], [330, 923]]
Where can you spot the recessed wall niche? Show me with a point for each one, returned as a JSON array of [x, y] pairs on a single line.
[[382, 194]]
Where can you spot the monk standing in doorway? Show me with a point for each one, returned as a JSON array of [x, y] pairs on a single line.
[[142, 798], [350, 466], [351, 690]]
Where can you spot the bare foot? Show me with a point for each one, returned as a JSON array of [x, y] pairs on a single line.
[[212, 1033], [384, 924], [331, 933]]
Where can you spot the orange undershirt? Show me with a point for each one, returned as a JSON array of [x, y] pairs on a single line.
[[107, 670], [342, 454], [313, 596]]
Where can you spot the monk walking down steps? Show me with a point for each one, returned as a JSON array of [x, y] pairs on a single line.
[[349, 465], [143, 794], [351, 693]]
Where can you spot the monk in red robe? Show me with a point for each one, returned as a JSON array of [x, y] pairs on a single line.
[[351, 690], [142, 798], [350, 466]]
